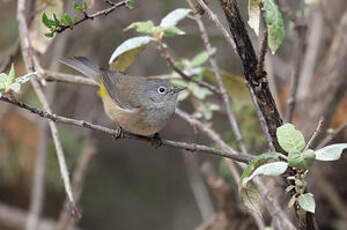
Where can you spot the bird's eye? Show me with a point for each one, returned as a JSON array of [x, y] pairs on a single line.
[[161, 90]]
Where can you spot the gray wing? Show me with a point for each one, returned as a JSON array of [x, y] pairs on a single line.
[[117, 87]]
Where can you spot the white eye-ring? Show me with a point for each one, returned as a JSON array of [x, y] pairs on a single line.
[[161, 90]]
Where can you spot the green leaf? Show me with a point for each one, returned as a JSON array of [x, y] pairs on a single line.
[[77, 7], [141, 27], [66, 20], [251, 198], [174, 17], [179, 82], [85, 5], [3, 80], [235, 86], [183, 95], [11, 74], [256, 162], [301, 160], [330, 152], [15, 87], [289, 138], [49, 35], [172, 31], [131, 4], [268, 169], [74, 19], [290, 188], [127, 52], [56, 20], [46, 21], [307, 202], [199, 92], [200, 59], [254, 15], [275, 25]]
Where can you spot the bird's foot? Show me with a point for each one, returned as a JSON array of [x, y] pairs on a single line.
[[119, 134], [156, 141]]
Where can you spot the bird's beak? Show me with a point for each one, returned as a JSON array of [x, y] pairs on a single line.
[[177, 89]]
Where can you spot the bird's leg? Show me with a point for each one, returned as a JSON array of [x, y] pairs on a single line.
[[156, 141], [119, 134]]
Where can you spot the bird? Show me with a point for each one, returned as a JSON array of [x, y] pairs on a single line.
[[137, 104]]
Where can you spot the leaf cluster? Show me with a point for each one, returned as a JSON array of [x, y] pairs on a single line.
[[9, 82], [299, 158]]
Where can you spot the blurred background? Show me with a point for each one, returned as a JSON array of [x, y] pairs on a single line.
[[130, 185]]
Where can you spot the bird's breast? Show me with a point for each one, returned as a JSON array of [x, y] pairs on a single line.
[[141, 121]]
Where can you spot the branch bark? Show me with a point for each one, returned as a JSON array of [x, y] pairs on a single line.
[[116, 132]]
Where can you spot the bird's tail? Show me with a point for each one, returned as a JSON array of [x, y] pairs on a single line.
[[88, 68], [83, 65]]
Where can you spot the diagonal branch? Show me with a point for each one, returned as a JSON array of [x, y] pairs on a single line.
[[86, 17], [165, 54], [32, 65], [257, 82], [225, 96]]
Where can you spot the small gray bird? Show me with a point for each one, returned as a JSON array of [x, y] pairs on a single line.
[[139, 105]]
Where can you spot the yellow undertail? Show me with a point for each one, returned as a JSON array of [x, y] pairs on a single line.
[[102, 90]]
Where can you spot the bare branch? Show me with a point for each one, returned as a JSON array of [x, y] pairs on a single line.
[[198, 187], [116, 132], [213, 17], [56, 76], [165, 54], [32, 65], [225, 96], [315, 134], [9, 57], [298, 56], [37, 193], [332, 135], [16, 218], [87, 152]]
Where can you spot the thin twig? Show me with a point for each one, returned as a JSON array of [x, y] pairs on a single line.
[[116, 132], [56, 76], [97, 14], [37, 192], [215, 137], [231, 116], [261, 119], [206, 130], [332, 135], [32, 64], [213, 17], [198, 187], [298, 56], [315, 134], [165, 54], [15, 218], [9, 57], [86, 154]]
